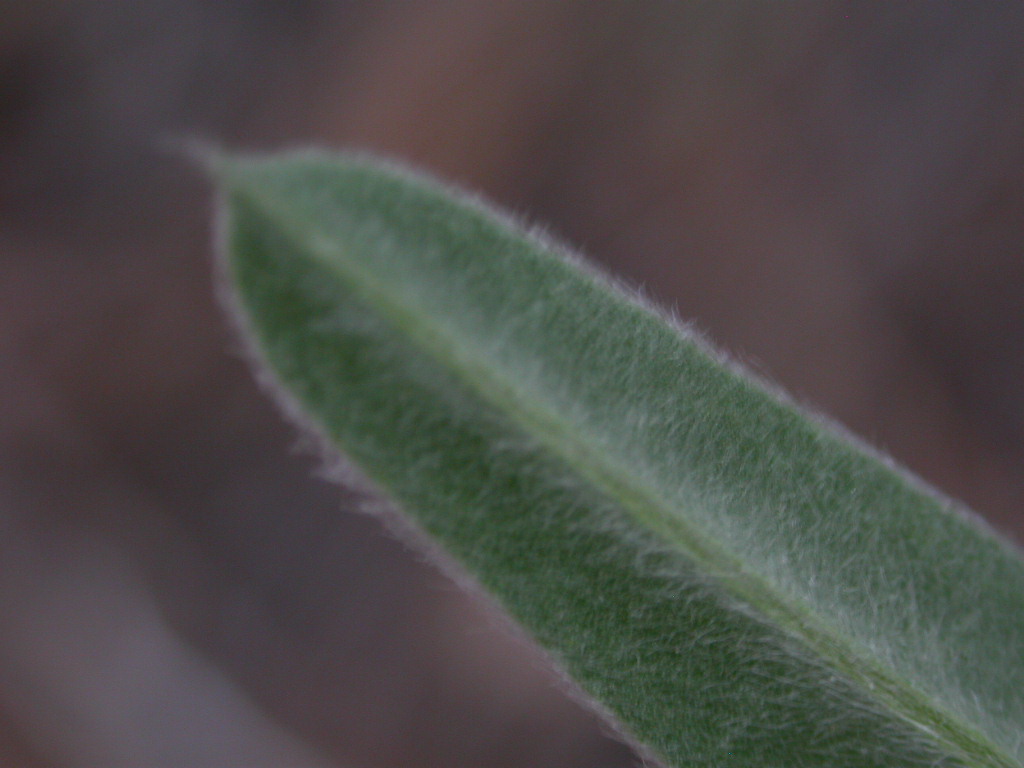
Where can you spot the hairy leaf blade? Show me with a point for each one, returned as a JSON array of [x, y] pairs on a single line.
[[736, 583]]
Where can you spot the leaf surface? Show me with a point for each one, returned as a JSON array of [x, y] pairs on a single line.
[[734, 581]]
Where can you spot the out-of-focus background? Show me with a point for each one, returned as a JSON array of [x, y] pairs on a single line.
[[833, 191]]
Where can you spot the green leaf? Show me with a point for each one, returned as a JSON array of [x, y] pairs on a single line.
[[734, 581]]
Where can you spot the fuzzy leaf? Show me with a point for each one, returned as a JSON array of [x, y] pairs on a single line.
[[734, 581]]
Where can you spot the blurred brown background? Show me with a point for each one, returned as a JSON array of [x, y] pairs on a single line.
[[833, 191]]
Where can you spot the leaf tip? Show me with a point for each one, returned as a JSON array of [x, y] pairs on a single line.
[[208, 155]]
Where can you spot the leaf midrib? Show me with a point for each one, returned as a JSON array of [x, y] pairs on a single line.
[[644, 504]]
